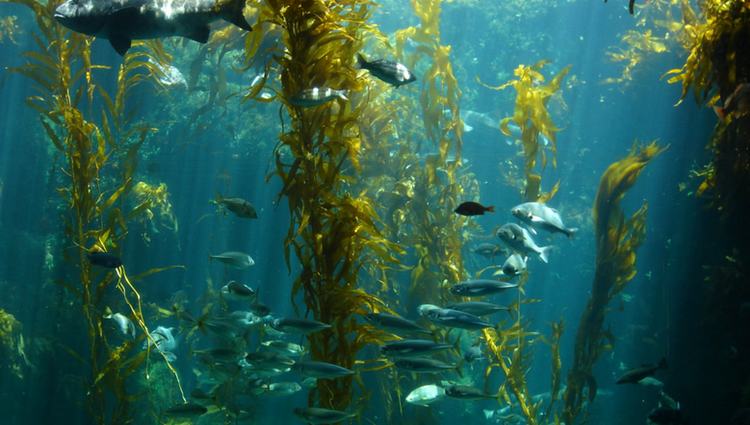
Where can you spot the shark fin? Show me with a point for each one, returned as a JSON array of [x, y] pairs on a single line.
[[120, 43], [199, 34]]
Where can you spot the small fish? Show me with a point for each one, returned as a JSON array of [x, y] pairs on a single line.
[[541, 216], [488, 250], [473, 354], [317, 96], [321, 370], [300, 326], [478, 308], [281, 388], [268, 360], [259, 309], [650, 381], [234, 259], [425, 395], [164, 341], [423, 365], [467, 393], [240, 207], [635, 375], [395, 324], [186, 410], [480, 287], [238, 291], [317, 415], [452, 318], [412, 347], [286, 348], [121, 21], [472, 208], [393, 73], [519, 240], [514, 265], [104, 259], [124, 324]]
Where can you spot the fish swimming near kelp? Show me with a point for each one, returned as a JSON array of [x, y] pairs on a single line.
[[635, 375], [539, 215], [423, 365], [426, 395], [481, 287], [234, 259], [471, 208], [298, 326], [122, 21], [514, 265], [391, 72], [237, 291], [321, 370], [123, 323], [104, 259], [317, 415], [240, 207], [520, 240], [452, 318], [395, 324], [465, 392], [164, 341], [478, 308], [317, 96], [412, 347]]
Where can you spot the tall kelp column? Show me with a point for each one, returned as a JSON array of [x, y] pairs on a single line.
[[617, 240], [331, 230], [93, 192]]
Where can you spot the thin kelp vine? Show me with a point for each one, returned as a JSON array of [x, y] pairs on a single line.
[[331, 231], [617, 240], [535, 125], [62, 71]]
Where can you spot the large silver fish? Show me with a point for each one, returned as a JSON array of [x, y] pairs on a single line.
[[539, 215], [234, 259], [425, 395], [122, 21], [520, 240], [480, 287], [321, 370]]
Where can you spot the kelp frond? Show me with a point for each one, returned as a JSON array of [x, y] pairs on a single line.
[[617, 240]]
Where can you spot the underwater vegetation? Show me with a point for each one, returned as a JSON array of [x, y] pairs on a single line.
[[12, 346], [617, 239]]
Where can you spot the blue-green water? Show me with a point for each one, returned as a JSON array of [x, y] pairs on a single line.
[[229, 150]]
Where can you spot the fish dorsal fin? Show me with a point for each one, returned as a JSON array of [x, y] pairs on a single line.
[[121, 43], [199, 34]]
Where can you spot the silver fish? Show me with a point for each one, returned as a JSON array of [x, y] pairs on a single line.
[[316, 415], [539, 215], [452, 318], [234, 259], [395, 324], [286, 348], [412, 347], [238, 291], [478, 308], [300, 326], [423, 365], [164, 341], [240, 207], [281, 388], [480, 287], [124, 324], [393, 73], [426, 395], [317, 96], [121, 21], [520, 240], [321, 370], [514, 265]]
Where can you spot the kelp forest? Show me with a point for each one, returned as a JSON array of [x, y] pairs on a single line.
[[381, 212]]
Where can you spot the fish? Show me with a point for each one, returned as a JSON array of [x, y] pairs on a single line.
[[124, 324], [321, 370], [286, 348], [238, 291], [539, 215], [395, 324], [164, 341], [391, 72], [650, 381], [221, 355], [471, 208], [268, 360], [423, 365], [514, 265], [473, 119], [122, 21], [488, 250], [452, 318], [317, 96], [281, 388], [412, 347], [473, 354], [104, 259], [169, 75], [186, 410], [519, 240], [240, 207], [664, 415], [299, 326], [515, 133], [635, 375], [234, 259], [317, 415], [259, 309], [465, 392], [480, 287], [478, 308], [425, 395]]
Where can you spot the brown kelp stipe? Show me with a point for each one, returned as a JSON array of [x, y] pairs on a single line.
[[617, 239], [94, 192]]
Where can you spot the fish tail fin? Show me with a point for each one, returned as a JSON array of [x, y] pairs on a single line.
[[361, 61], [491, 208], [544, 253], [663, 363], [570, 232], [342, 94], [232, 12]]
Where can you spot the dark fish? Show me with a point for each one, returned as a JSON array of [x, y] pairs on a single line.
[[238, 291], [104, 259], [514, 265], [186, 410], [317, 96], [472, 208], [259, 309], [412, 347], [478, 308], [395, 324], [316, 415], [393, 73], [479, 287], [240, 207], [663, 415], [122, 21], [268, 360], [635, 375], [466, 393], [423, 365]]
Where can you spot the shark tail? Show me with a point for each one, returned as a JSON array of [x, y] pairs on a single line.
[[232, 11]]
